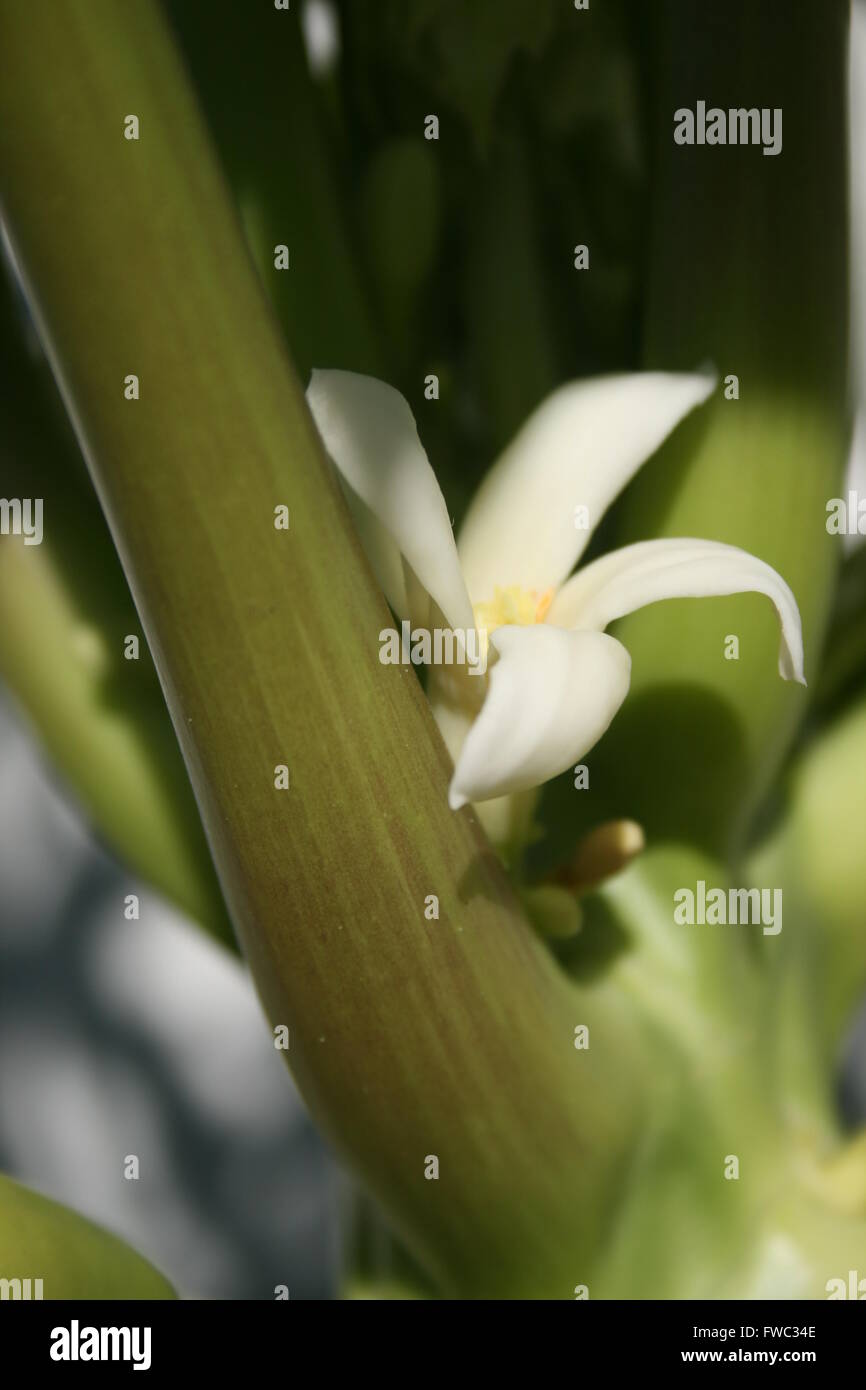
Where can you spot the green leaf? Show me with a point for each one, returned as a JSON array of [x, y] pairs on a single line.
[[269, 126], [40, 1239], [461, 53], [65, 615]]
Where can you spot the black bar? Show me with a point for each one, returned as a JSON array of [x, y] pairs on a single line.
[[276, 1338]]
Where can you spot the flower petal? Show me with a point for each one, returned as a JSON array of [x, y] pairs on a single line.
[[369, 432], [640, 574], [578, 449], [552, 695], [455, 720], [381, 550]]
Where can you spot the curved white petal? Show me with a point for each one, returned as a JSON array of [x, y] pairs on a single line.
[[454, 724], [381, 550], [552, 695], [640, 574], [369, 432], [577, 450], [455, 721]]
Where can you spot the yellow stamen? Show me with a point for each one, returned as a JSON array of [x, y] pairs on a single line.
[[511, 606], [543, 604]]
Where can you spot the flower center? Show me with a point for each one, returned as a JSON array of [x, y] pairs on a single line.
[[512, 605]]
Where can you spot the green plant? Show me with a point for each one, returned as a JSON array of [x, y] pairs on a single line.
[[455, 1035]]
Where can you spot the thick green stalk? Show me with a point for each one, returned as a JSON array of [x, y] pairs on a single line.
[[410, 1035]]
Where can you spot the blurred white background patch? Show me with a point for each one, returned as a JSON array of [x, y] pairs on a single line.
[[141, 1037]]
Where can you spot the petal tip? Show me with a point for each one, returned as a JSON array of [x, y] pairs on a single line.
[[318, 378], [789, 674], [791, 668], [708, 374]]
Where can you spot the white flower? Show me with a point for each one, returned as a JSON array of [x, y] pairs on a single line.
[[556, 679]]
